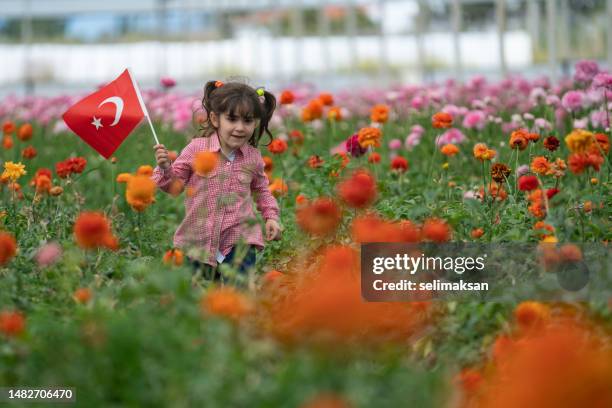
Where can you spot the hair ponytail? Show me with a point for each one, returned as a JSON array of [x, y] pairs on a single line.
[[207, 127], [269, 105]]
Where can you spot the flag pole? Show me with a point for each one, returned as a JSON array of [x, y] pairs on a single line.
[[143, 106]]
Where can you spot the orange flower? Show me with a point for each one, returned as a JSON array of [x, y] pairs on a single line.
[[578, 162], [603, 141], [287, 97], [145, 170], [278, 187], [449, 150], [542, 226], [374, 158], [436, 230], [301, 199], [92, 230], [29, 152], [8, 127], [312, 111], [379, 113], [321, 217], [25, 132], [519, 139], [469, 380], [268, 164], [326, 99], [176, 187], [173, 256], [540, 165], [326, 400], [56, 191], [123, 177], [369, 136], [371, 228], [226, 302], [8, 247], [11, 323], [530, 315], [82, 295], [205, 162], [477, 233], [277, 146], [43, 184], [296, 137], [442, 120], [359, 190], [140, 192], [7, 142], [315, 162], [482, 152], [334, 113], [533, 137]]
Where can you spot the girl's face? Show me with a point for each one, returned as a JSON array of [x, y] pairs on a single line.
[[234, 131]]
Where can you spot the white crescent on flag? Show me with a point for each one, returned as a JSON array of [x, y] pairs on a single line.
[[118, 106]]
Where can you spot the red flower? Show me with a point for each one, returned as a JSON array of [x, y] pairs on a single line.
[[287, 97], [8, 247], [399, 163], [315, 162], [321, 217], [527, 183], [359, 191], [442, 120], [277, 146], [296, 137], [436, 230], [578, 162], [551, 192], [29, 152], [12, 323], [374, 157], [92, 230], [77, 164]]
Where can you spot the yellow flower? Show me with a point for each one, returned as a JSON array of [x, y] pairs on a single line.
[[549, 239], [13, 171], [579, 141], [445, 166]]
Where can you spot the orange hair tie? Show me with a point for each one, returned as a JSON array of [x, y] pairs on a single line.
[[218, 84]]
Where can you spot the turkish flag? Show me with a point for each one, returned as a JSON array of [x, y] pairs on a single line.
[[106, 117]]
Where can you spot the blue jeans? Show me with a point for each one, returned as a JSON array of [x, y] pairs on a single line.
[[212, 272]]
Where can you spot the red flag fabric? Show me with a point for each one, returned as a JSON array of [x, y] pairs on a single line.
[[106, 117]]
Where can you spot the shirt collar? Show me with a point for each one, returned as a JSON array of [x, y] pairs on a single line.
[[216, 147]]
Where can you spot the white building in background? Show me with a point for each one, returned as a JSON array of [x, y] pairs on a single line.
[[404, 46]]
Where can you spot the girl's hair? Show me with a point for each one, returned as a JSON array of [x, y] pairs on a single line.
[[238, 99]]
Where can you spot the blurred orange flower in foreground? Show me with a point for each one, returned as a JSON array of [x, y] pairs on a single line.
[[173, 257], [226, 302], [379, 113], [8, 247], [321, 217], [140, 192], [442, 120], [12, 323], [327, 307], [92, 230], [205, 162], [359, 190]]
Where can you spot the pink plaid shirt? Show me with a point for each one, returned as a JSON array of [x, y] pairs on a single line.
[[220, 210]]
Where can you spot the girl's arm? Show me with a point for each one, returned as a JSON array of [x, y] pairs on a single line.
[[180, 169], [266, 203]]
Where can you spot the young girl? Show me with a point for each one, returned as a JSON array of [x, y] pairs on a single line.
[[219, 215]]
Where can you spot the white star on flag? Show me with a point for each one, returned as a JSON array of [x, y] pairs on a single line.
[[97, 123]]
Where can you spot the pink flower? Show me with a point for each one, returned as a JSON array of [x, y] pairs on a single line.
[[167, 82], [395, 144], [48, 254], [603, 80], [542, 124], [452, 135], [599, 119], [586, 71], [413, 140], [573, 100], [475, 120], [417, 129], [524, 169]]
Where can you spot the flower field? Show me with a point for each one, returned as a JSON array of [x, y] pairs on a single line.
[[94, 297]]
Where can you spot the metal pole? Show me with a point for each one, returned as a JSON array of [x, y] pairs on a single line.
[[457, 23], [533, 23], [351, 32], [323, 28], [609, 29], [551, 15], [297, 28], [26, 40], [383, 65], [500, 13], [420, 41]]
